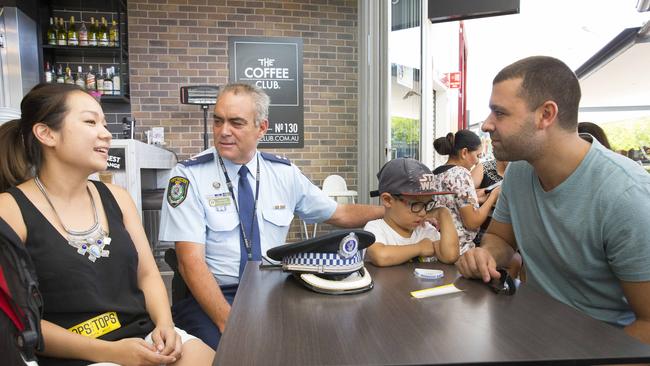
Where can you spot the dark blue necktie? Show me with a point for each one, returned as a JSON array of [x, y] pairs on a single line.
[[247, 220]]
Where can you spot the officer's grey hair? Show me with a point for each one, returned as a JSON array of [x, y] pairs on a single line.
[[260, 98]]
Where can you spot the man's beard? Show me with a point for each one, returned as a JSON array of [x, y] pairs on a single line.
[[520, 146]]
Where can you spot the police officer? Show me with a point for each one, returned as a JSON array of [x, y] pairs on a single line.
[[207, 202]]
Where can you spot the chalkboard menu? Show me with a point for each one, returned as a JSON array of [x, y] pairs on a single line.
[[275, 65]]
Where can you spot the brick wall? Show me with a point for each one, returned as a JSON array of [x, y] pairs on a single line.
[[173, 43]]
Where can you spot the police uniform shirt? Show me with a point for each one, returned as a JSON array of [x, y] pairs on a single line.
[[199, 208]]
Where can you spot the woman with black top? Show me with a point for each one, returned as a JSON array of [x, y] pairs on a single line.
[[102, 291], [464, 149], [486, 174]]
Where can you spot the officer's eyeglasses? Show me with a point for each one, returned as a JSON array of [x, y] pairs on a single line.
[[417, 206]]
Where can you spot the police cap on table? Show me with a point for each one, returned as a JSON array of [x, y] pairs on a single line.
[[330, 264]]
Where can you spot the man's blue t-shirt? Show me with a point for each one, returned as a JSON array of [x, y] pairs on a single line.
[[580, 239]]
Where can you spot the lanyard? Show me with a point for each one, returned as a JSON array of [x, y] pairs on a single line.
[[247, 241]]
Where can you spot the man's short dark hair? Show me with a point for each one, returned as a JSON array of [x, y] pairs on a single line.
[[546, 78]]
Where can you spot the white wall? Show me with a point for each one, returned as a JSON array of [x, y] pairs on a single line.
[[444, 52]]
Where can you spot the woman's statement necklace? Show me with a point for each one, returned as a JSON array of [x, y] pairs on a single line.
[[91, 241]]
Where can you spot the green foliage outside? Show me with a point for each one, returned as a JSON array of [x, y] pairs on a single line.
[[405, 130], [628, 134], [405, 137]]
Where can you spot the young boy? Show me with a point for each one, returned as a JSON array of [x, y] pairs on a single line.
[[406, 191]]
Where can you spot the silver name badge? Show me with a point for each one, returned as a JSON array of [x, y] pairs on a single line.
[[219, 201]]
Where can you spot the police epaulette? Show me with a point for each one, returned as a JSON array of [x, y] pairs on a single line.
[[275, 158], [197, 160]]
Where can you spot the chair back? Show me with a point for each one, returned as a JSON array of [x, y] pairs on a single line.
[[336, 187], [334, 183], [179, 288]]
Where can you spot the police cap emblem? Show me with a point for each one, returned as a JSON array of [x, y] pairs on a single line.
[[348, 246]]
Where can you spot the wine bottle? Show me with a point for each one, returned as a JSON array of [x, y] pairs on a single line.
[[114, 35], [83, 35], [91, 83], [92, 33], [100, 80], [59, 75], [81, 79], [48, 72], [68, 76], [116, 81], [73, 36], [103, 33], [108, 82], [51, 33], [62, 34]]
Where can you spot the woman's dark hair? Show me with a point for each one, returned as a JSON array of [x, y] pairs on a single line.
[[452, 145], [21, 155], [595, 131]]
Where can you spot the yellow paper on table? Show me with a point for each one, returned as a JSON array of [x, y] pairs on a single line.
[[435, 291]]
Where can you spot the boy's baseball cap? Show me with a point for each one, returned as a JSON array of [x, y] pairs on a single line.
[[406, 176]]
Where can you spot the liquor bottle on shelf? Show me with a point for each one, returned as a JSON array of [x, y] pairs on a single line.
[[92, 33], [62, 34], [81, 79], [114, 35], [83, 35], [97, 26], [103, 34], [48, 72], [68, 79], [73, 36], [100, 80], [116, 81], [91, 83], [108, 82], [51, 33], [60, 78]]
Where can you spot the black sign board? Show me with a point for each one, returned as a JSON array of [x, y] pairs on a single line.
[[451, 10], [116, 158], [275, 65]]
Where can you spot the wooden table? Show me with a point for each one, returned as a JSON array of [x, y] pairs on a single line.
[[276, 321]]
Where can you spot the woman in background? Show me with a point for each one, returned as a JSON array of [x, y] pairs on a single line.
[[587, 128], [487, 174], [101, 289], [464, 149]]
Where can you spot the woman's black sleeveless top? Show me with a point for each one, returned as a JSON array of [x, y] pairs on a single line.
[[74, 289]]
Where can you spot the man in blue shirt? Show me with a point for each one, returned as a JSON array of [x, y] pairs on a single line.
[[577, 212], [204, 208]]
